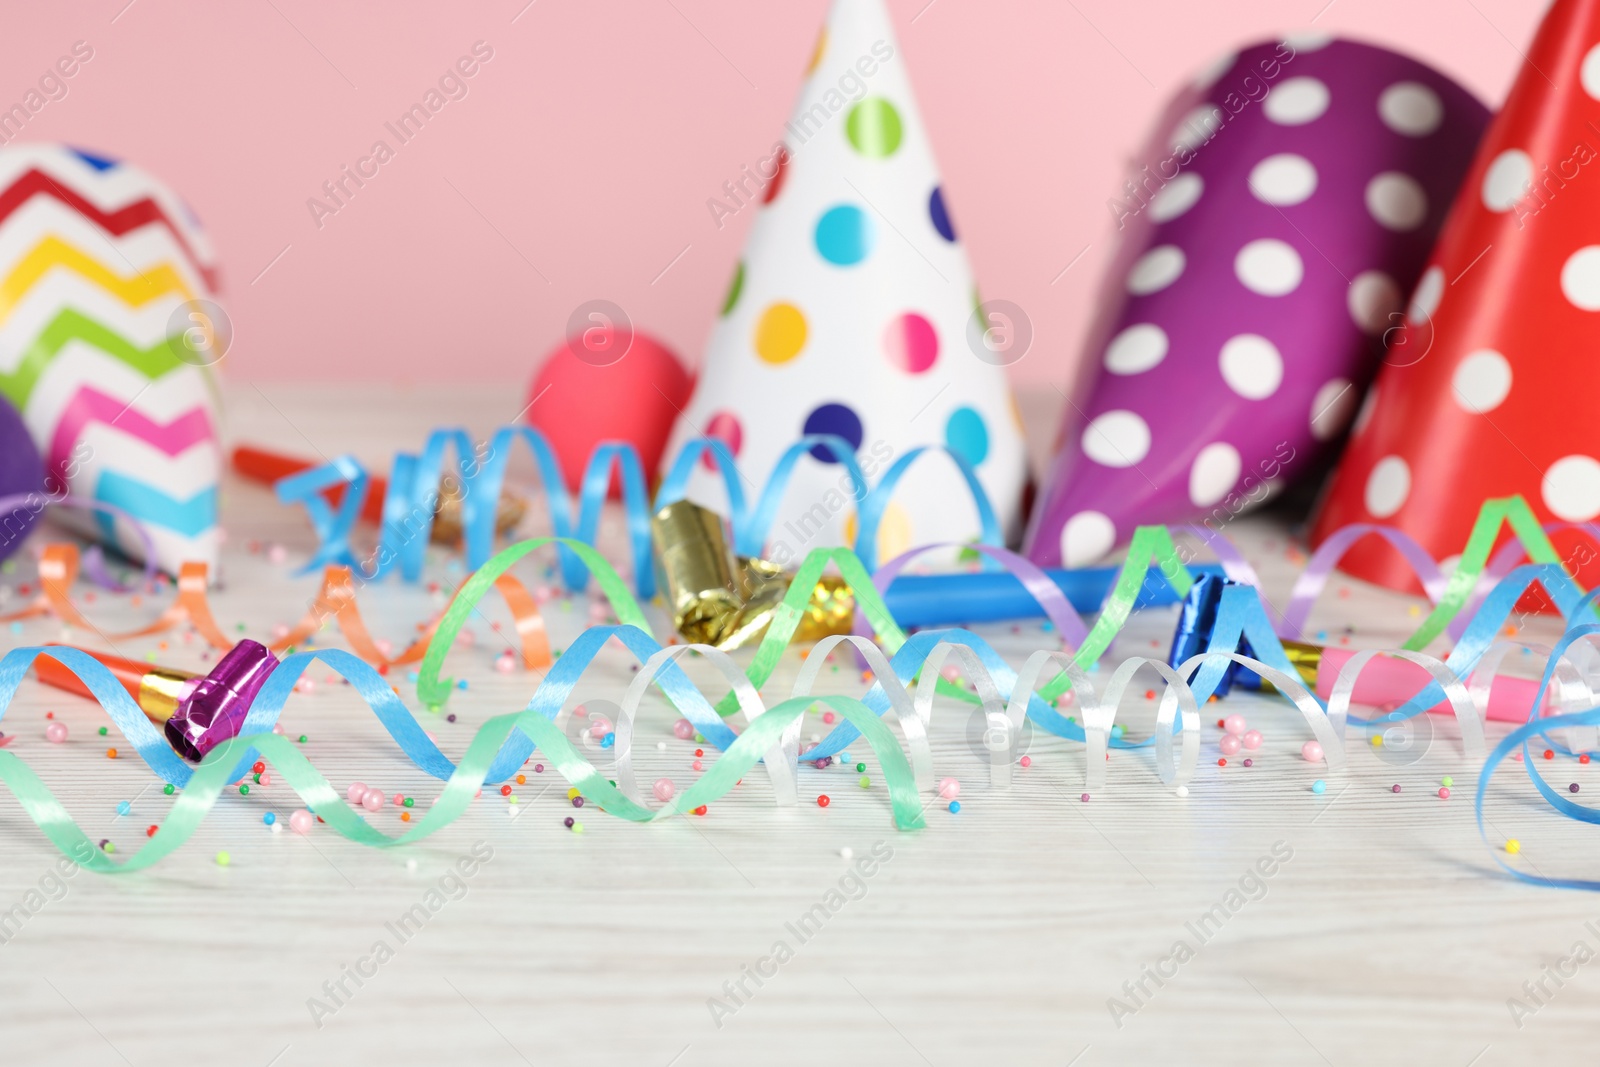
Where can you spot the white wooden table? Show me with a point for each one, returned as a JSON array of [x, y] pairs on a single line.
[[997, 935]]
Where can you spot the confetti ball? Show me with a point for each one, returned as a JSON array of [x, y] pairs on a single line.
[[701, 810], [168, 789], [111, 753], [151, 831], [862, 766], [244, 790], [1549, 753], [103, 731], [1249, 762], [697, 765], [399, 800], [949, 788], [55, 733], [1513, 846], [1584, 758], [577, 827], [1234, 724], [1444, 793], [123, 807], [823, 801], [1319, 786], [372, 800], [866, 783], [1229, 744], [1395, 788], [577, 802], [568, 822], [1222, 762], [223, 859], [1183, 791], [846, 853], [1252, 739], [1026, 761], [1447, 781], [683, 729], [1084, 798], [1573, 788], [269, 818], [356, 791], [955, 806], [1311, 752], [1376, 740], [664, 789], [302, 821]]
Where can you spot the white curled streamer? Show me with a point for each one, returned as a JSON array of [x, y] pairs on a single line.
[[1574, 683], [997, 735], [1099, 713], [779, 769], [1469, 712], [913, 717], [1293, 687]]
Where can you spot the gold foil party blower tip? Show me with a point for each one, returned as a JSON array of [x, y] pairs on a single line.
[[727, 601]]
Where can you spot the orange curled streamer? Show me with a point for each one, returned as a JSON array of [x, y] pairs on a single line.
[[59, 567]]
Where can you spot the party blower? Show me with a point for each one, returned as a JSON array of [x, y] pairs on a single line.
[[197, 712], [1385, 682]]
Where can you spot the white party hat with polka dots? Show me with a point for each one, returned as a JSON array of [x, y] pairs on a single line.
[[849, 314], [1489, 389]]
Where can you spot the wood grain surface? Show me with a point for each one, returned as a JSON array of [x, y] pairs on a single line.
[[1251, 922]]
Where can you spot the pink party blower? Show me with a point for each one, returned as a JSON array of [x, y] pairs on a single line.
[[215, 711], [1384, 683]]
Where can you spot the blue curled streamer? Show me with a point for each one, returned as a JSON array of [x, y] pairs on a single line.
[[413, 493]]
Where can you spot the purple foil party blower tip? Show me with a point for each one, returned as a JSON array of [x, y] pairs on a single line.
[[216, 710]]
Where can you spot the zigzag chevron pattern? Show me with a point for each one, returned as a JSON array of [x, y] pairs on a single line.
[[140, 213], [90, 405], [53, 252], [69, 326], [95, 260]]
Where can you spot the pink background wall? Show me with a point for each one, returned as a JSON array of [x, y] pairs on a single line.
[[579, 164]]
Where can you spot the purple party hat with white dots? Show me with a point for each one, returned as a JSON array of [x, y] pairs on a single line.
[[1269, 241], [852, 313]]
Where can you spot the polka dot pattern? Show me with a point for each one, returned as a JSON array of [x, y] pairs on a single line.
[[844, 235], [1214, 474], [847, 315], [1482, 381], [780, 333], [1269, 267], [1117, 439], [1297, 101], [1331, 408], [1269, 272], [1284, 179], [1411, 109], [1571, 488], [1136, 349], [1155, 270], [1589, 72], [1177, 197], [874, 128], [911, 343], [1397, 201], [1374, 301], [833, 418], [1425, 300], [1086, 537], [1388, 486], [1252, 366], [967, 436], [724, 425], [1507, 180], [1580, 278], [939, 215]]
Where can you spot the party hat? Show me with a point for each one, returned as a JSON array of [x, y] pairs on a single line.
[[1489, 390], [1285, 208], [107, 341], [849, 314]]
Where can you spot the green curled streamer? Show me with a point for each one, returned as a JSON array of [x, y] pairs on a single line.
[[432, 690], [211, 778]]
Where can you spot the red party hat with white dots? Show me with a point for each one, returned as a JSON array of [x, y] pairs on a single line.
[[849, 314], [1490, 389]]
